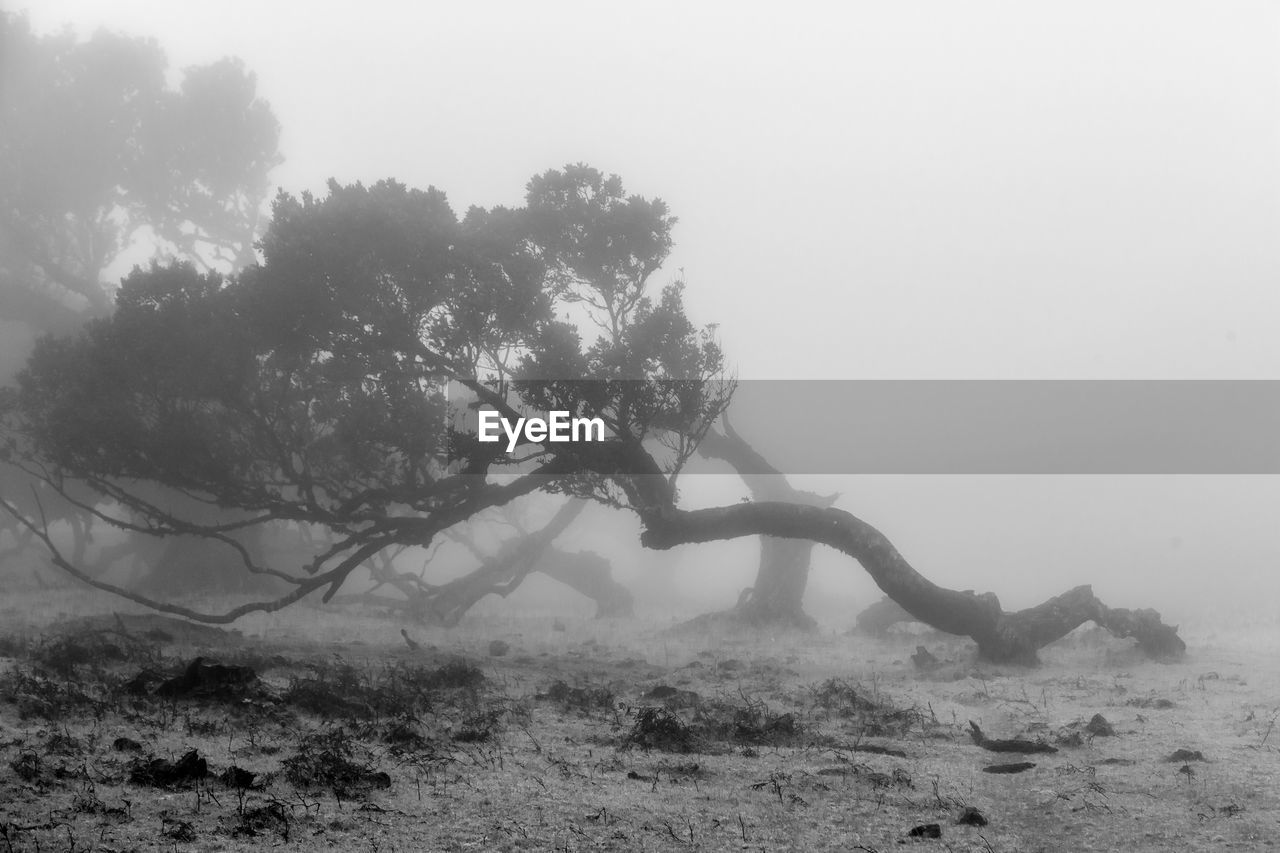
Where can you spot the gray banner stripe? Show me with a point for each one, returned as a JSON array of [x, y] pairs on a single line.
[[1012, 426]]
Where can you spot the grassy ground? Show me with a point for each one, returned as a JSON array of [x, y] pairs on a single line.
[[600, 735]]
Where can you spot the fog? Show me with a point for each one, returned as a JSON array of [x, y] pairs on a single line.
[[994, 285], [925, 191], [991, 191]]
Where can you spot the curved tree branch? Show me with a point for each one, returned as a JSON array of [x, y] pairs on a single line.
[[420, 533], [1000, 636]]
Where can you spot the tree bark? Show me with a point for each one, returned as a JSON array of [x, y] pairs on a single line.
[[783, 574], [1003, 637]]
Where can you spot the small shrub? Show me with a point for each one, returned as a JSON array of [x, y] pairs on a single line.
[[332, 759], [661, 729]]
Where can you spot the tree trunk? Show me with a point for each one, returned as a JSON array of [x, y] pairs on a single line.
[[1004, 637], [783, 574], [778, 595]]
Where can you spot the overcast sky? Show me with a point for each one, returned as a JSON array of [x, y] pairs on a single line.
[[934, 190], [875, 190]]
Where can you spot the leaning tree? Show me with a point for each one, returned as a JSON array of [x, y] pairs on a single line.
[[323, 387]]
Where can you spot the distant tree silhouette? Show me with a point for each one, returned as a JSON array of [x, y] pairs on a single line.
[[98, 151]]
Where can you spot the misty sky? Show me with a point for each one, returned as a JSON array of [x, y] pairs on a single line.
[[922, 190], [913, 190]]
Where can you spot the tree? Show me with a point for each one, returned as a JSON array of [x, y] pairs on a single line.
[[503, 570], [320, 388], [98, 151]]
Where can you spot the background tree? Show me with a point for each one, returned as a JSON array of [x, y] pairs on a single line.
[[502, 570], [315, 389], [100, 154], [99, 151]]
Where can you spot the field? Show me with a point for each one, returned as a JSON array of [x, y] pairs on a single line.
[[327, 729]]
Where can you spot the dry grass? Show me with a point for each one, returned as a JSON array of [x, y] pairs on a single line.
[[613, 736]]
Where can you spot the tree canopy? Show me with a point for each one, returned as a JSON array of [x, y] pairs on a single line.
[[315, 386]]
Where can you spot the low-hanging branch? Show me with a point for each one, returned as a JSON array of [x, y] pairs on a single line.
[[367, 544], [332, 578], [1001, 636]]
